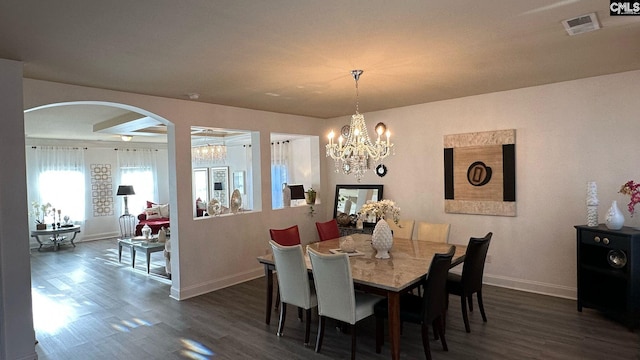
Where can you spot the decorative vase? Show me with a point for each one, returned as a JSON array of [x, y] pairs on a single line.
[[592, 204], [146, 231], [236, 201], [286, 195], [382, 239], [162, 235], [347, 244], [614, 219], [343, 219]]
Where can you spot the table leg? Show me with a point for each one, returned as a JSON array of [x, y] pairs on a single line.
[[148, 253], [269, 276], [133, 257], [394, 323], [119, 252]]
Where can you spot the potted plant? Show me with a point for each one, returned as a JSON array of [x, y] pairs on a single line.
[[311, 196], [40, 210]]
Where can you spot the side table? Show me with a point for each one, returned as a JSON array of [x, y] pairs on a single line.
[[141, 244]]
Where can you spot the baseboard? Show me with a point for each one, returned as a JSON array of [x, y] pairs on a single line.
[[203, 288], [31, 356], [494, 280], [532, 286]]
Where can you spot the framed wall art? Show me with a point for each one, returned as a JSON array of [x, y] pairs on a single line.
[[480, 173]]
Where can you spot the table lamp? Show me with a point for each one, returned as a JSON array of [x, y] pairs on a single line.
[[125, 190]]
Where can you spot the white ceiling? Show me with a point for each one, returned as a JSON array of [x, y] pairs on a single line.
[[295, 57]]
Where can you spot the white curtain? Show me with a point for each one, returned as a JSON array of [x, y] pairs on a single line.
[[279, 171], [138, 168], [58, 178]]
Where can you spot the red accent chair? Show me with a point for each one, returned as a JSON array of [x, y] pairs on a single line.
[[286, 237], [328, 230]]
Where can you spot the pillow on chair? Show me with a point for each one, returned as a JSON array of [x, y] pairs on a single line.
[[153, 213]]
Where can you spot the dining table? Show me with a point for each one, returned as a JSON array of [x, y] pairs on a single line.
[[408, 264]]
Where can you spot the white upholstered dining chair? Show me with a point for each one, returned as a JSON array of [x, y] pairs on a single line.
[[433, 232], [337, 298], [293, 283], [403, 230]]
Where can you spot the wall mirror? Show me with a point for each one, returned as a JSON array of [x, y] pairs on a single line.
[[350, 198]]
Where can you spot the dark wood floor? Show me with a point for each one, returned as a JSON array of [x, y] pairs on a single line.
[[89, 306]]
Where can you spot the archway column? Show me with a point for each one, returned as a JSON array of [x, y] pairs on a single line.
[[17, 336]]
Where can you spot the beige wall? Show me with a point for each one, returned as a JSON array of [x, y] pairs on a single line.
[[566, 134], [213, 252]]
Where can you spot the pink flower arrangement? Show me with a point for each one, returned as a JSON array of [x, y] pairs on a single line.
[[633, 190]]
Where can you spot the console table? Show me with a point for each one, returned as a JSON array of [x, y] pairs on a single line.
[[56, 236], [350, 230], [609, 272]]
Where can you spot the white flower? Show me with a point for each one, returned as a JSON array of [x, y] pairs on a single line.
[[381, 209]]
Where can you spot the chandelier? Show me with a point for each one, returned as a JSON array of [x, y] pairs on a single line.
[[354, 154], [208, 152]]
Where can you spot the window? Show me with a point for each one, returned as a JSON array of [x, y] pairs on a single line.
[[142, 181], [70, 204], [294, 160], [138, 168]]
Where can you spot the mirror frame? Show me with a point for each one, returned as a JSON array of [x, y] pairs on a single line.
[[357, 186]]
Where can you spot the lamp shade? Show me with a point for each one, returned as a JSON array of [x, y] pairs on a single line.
[[125, 190], [297, 192], [217, 186]]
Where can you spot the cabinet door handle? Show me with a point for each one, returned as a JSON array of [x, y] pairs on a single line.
[[597, 239], [605, 241]]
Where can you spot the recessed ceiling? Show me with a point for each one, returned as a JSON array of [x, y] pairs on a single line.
[[295, 57]]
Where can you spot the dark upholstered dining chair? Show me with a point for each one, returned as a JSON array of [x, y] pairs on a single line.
[[429, 309], [286, 237], [328, 230], [470, 281], [294, 286]]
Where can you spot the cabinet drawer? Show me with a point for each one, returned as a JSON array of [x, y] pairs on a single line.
[[605, 240]]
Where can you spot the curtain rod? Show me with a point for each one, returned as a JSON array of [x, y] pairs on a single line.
[[60, 147]]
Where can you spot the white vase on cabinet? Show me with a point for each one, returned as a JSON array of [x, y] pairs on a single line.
[[614, 219]]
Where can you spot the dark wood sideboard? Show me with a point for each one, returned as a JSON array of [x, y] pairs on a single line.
[[609, 272], [350, 230]]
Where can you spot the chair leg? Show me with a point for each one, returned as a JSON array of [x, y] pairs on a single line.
[[425, 341], [307, 330], [283, 315], [438, 325], [300, 313], [379, 333], [470, 301], [465, 316], [481, 305], [353, 342], [320, 333], [277, 299]]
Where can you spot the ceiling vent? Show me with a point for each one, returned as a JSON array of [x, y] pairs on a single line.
[[581, 24]]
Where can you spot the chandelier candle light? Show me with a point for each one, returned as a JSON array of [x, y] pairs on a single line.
[[353, 155], [208, 152]]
